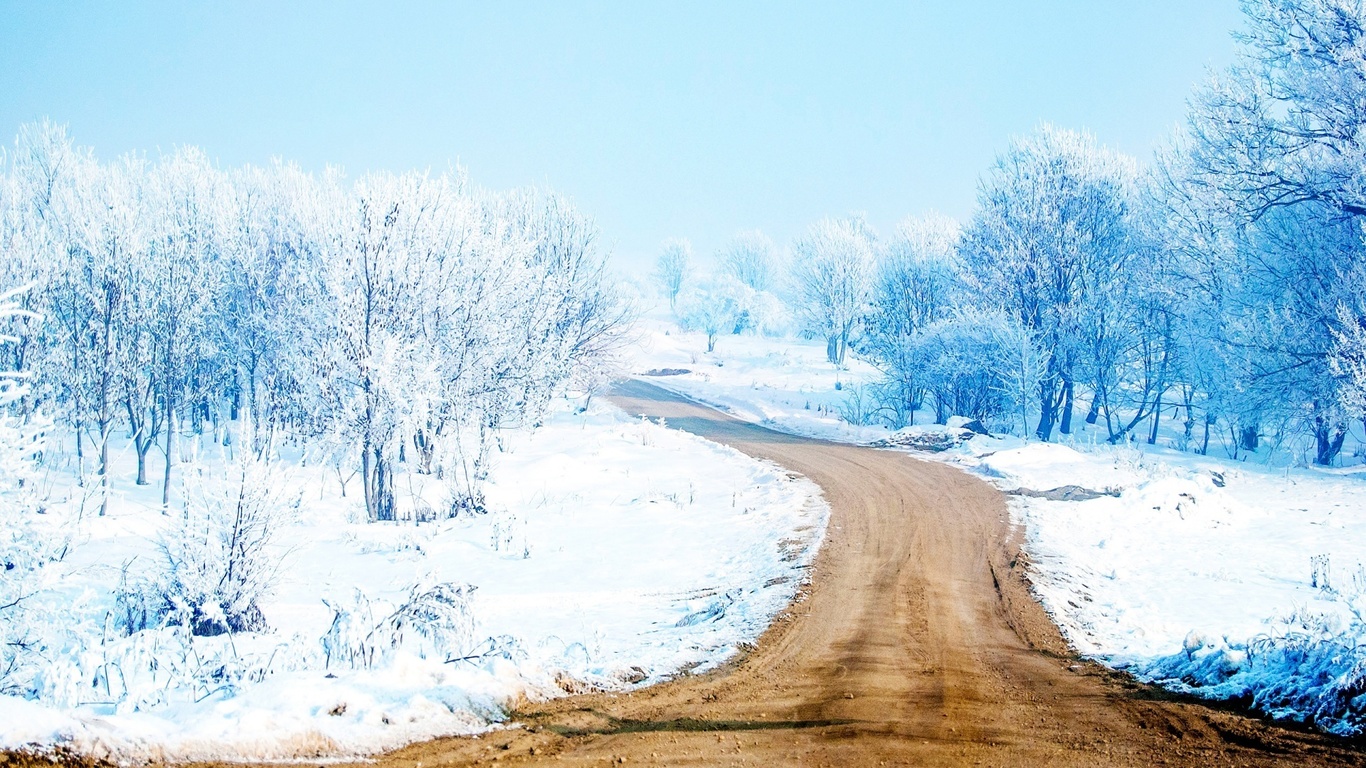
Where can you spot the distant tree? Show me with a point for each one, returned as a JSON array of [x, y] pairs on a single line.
[[749, 257], [916, 280], [189, 205], [672, 267], [715, 307], [963, 362], [833, 273], [266, 285], [107, 234]]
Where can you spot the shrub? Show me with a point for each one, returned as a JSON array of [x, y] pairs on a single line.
[[218, 561]]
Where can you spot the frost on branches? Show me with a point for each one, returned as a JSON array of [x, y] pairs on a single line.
[[29, 542], [392, 324]]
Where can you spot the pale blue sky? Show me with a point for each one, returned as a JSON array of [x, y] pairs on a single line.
[[660, 120]]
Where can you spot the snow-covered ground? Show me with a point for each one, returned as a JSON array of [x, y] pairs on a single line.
[[617, 553], [782, 383], [1218, 578]]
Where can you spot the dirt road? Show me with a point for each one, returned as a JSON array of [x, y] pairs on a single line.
[[916, 644]]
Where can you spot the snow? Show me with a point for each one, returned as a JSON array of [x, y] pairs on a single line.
[[1195, 572], [618, 553], [1201, 573], [785, 384]]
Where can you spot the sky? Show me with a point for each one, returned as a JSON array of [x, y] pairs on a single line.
[[659, 120]]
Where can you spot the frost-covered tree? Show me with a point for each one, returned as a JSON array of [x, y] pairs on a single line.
[[188, 203], [916, 284], [35, 179], [1052, 226], [561, 323], [29, 543], [265, 288], [90, 293], [380, 244], [1272, 163], [715, 307], [833, 272], [1283, 126], [750, 258], [962, 364], [672, 268], [1348, 361]]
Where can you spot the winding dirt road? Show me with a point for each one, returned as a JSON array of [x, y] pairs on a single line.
[[917, 643]]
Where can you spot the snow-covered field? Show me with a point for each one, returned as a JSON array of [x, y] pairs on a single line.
[[617, 553], [782, 383], [1218, 578]]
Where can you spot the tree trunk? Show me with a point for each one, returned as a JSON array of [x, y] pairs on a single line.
[[1190, 416], [376, 477], [80, 456], [170, 458], [1328, 438], [1157, 419], [1066, 426], [142, 462], [1047, 411], [832, 350], [104, 469], [1247, 438], [384, 487], [1093, 413], [367, 481]]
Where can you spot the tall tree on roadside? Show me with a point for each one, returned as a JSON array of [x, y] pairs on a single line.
[[1052, 224], [1279, 141], [916, 283], [749, 257]]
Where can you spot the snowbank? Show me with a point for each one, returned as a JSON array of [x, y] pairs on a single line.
[[1218, 579]]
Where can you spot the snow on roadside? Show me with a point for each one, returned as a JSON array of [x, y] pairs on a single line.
[[1216, 578], [618, 553], [1213, 578]]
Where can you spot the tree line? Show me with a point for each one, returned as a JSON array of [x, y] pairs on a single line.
[[1222, 285], [393, 321]]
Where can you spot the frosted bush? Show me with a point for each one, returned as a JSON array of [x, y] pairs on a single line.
[[1311, 670], [218, 562], [861, 405], [436, 621]]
